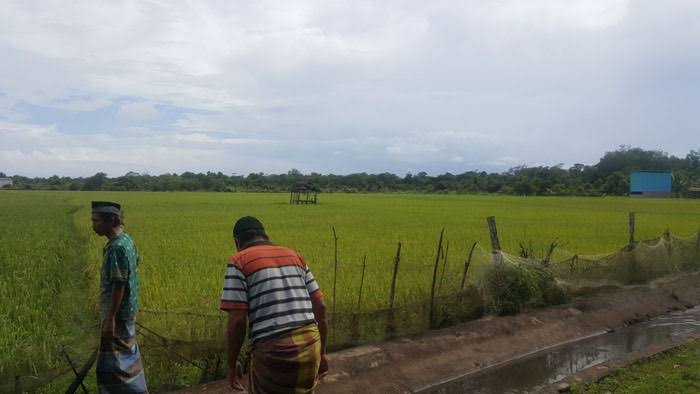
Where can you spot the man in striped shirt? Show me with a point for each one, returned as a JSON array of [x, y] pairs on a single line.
[[269, 290]]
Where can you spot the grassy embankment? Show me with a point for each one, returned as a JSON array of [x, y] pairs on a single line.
[[676, 371]]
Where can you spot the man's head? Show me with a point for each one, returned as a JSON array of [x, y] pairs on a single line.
[[106, 217], [246, 230]]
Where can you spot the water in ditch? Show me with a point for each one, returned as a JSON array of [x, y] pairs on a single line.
[[527, 374]]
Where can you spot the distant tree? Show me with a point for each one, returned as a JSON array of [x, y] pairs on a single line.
[[616, 183], [693, 160], [609, 176], [95, 182]]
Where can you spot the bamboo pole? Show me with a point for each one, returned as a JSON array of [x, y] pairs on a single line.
[[632, 221], [548, 257], [362, 282], [466, 265], [668, 242], [397, 259], [444, 266], [390, 329], [335, 276], [72, 366], [495, 242], [357, 317], [574, 263], [435, 270]]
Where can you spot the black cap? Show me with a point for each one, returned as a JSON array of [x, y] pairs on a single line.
[[106, 207], [247, 224]]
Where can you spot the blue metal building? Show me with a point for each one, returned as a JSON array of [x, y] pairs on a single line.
[[651, 184]]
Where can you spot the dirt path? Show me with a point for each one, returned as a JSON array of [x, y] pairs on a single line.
[[419, 361]]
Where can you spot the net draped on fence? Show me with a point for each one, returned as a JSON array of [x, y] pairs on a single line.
[[181, 348]]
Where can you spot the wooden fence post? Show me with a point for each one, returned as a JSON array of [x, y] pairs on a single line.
[[548, 257], [466, 265], [391, 322], [397, 259], [357, 317], [335, 277], [495, 242], [444, 267], [574, 264], [630, 244], [362, 282], [435, 270], [667, 242]]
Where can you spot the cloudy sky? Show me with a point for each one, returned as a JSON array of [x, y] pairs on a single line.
[[341, 87]]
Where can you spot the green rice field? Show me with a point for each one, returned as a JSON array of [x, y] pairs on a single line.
[[50, 258]]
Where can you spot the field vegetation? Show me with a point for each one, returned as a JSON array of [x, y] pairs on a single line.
[[43, 282], [51, 259]]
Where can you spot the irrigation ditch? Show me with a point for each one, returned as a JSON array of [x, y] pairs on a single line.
[[525, 353]]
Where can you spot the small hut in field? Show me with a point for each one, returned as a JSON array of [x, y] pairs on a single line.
[[303, 193]]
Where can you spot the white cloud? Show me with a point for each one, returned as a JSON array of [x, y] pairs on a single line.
[[345, 86], [551, 14], [79, 103], [408, 150], [194, 137], [246, 141], [206, 138], [23, 130], [33, 150], [138, 112]]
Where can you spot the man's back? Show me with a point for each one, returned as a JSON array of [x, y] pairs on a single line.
[[120, 265], [274, 285]]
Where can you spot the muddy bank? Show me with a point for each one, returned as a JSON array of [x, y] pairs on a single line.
[[417, 362]]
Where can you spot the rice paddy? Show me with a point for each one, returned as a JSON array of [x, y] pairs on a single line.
[[51, 258]]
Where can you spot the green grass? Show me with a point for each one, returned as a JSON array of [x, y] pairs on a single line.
[[676, 371], [53, 258], [42, 282]]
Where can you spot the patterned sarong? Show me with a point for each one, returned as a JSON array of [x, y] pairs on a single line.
[[287, 363], [119, 368]]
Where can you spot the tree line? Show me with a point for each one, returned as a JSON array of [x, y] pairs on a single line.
[[610, 176]]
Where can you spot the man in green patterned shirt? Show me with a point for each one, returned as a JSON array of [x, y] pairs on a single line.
[[119, 367]]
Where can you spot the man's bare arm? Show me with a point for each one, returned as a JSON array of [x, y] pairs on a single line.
[[319, 309], [235, 335]]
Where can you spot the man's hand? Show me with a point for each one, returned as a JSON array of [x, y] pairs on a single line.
[[323, 367], [234, 379], [117, 297], [108, 328]]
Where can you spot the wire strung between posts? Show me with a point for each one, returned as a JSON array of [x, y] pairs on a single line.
[[164, 345], [690, 244]]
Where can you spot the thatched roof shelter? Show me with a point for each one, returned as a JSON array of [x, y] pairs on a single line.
[[303, 193]]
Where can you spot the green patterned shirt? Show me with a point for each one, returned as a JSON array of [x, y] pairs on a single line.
[[120, 265]]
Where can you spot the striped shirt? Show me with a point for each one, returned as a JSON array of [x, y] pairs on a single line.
[[274, 285]]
